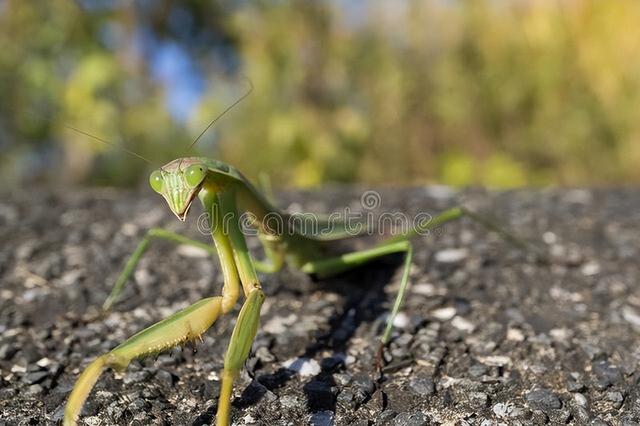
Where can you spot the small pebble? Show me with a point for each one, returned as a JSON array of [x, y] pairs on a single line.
[[254, 392], [322, 418], [289, 401], [346, 397], [18, 369], [606, 374], [93, 420], [423, 289], [451, 255], [444, 314], [145, 278], [248, 419], [592, 351], [401, 320], [210, 389], [363, 384], [403, 340], [574, 383], [35, 377], [150, 392], [631, 316], [141, 418], [385, 417], [115, 410], [318, 393], [582, 415], [165, 377], [34, 390], [44, 362], [549, 237], [479, 399], [278, 325], [333, 362], [515, 334], [263, 354], [192, 251], [559, 416], [342, 379], [463, 324], [411, 418], [7, 393], [136, 377], [495, 360], [543, 399], [58, 414], [305, 367], [503, 409], [616, 398], [422, 386], [138, 405], [477, 370], [590, 268], [7, 351], [560, 334], [580, 399]]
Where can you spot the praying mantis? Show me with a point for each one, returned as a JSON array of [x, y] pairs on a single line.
[[225, 194], [226, 197]]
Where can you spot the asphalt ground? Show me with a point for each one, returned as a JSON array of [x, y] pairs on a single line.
[[489, 334]]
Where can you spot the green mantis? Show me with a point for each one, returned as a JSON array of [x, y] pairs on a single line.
[[225, 196]]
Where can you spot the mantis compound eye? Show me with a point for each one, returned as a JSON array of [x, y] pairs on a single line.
[[194, 175], [156, 181]]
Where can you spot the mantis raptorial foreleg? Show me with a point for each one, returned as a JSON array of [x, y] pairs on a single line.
[[191, 322], [183, 326]]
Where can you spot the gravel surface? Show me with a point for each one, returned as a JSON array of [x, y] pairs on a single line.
[[488, 335]]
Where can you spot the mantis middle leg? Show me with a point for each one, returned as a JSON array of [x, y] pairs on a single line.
[[273, 264], [153, 233]]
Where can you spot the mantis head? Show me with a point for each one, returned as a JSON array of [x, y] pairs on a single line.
[[179, 182]]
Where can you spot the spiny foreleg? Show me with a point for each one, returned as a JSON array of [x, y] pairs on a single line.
[[182, 327]]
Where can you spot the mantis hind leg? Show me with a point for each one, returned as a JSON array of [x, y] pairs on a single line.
[[181, 327], [399, 244], [332, 266]]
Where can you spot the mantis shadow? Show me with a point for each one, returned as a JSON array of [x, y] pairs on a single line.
[[362, 300]]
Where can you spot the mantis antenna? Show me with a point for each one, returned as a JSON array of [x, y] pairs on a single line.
[[82, 132], [229, 108], [135, 154]]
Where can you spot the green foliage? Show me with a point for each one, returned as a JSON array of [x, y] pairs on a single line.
[[498, 94]]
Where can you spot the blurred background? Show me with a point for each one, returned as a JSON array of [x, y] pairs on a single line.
[[495, 93]]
